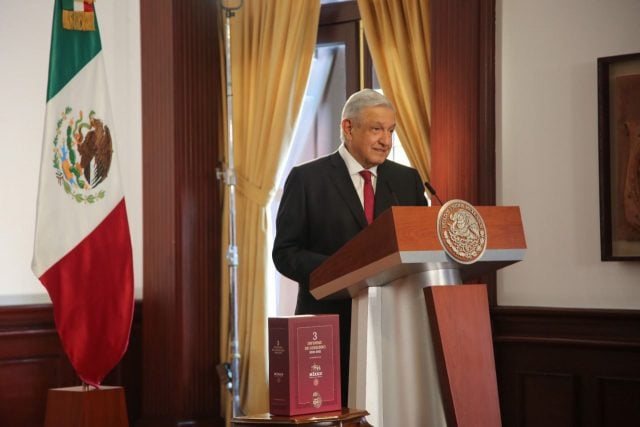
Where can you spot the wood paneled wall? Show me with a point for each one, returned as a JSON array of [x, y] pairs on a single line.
[[555, 367], [32, 361], [181, 101], [567, 367], [463, 105]]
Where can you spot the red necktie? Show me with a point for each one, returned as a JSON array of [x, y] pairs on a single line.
[[369, 197]]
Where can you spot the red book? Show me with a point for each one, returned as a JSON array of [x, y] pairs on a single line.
[[304, 364]]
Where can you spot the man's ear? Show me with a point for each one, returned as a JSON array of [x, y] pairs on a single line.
[[346, 127]]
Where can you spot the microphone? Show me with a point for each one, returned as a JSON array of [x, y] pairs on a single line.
[[393, 194], [432, 191]]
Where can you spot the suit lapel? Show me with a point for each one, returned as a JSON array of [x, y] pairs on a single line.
[[384, 198], [344, 185]]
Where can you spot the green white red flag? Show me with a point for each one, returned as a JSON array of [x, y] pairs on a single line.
[[82, 251]]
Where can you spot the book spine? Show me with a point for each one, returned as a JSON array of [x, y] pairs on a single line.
[[279, 393]]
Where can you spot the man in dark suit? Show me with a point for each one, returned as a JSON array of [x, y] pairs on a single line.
[[323, 201]]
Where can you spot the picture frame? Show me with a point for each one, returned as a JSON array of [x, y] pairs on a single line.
[[619, 156]]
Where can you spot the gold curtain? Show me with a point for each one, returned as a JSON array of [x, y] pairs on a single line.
[[397, 32], [272, 44]]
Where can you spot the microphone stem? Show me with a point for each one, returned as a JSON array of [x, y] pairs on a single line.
[[433, 192]]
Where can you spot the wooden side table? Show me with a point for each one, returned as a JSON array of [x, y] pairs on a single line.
[[345, 418]]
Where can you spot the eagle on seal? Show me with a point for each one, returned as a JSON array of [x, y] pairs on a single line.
[[96, 150]]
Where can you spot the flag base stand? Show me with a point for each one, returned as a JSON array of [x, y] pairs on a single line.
[[80, 407]]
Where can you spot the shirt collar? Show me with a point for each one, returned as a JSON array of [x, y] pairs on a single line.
[[353, 166]]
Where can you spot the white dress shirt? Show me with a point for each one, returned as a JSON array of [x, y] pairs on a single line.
[[354, 169]]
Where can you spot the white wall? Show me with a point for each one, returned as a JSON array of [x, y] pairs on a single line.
[[547, 147], [25, 37], [547, 144]]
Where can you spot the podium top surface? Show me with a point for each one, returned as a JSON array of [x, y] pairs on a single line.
[[404, 240]]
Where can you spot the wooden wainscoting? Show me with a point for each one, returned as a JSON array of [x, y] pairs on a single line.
[[555, 367], [32, 361], [567, 367]]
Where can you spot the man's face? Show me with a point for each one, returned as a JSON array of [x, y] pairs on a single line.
[[368, 138]]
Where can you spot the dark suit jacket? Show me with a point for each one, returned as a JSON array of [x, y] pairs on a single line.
[[320, 211]]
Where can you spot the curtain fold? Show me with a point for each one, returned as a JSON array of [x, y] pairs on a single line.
[[272, 45], [397, 33]]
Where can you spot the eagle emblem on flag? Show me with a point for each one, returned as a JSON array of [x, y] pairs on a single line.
[[82, 155]]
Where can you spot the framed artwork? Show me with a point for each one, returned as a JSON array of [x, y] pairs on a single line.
[[619, 156]]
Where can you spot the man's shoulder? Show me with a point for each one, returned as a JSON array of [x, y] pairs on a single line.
[[318, 163], [393, 167]]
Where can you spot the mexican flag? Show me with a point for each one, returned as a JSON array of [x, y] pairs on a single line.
[[82, 252]]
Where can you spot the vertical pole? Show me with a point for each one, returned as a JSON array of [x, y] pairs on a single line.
[[229, 177]]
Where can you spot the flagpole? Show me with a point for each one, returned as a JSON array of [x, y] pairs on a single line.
[[229, 177]]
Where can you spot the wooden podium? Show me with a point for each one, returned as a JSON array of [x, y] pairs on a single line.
[[421, 353]]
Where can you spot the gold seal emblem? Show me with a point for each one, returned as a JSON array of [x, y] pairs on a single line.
[[461, 231], [316, 399]]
